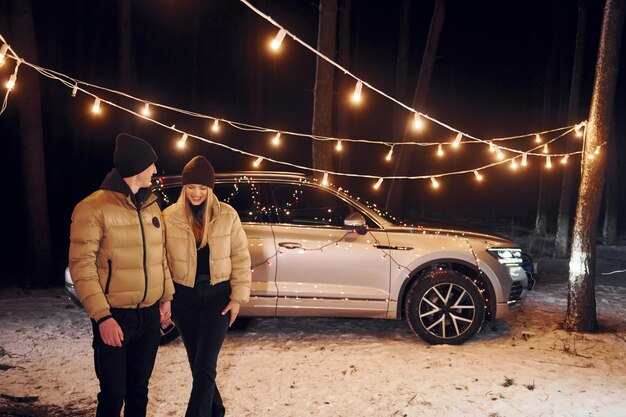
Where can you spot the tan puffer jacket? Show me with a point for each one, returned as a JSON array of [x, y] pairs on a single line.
[[229, 257], [114, 260]]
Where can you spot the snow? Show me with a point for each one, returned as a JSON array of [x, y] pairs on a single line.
[[524, 365]]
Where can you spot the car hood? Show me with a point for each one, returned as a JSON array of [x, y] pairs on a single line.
[[486, 238]]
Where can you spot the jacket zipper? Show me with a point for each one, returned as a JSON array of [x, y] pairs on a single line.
[[106, 287], [145, 270]]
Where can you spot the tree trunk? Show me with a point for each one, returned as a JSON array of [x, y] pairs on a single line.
[[125, 55], [39, 271], [609, 228], [343, 113], [323, 93], [581, 302], [399, 114], [395, 195], [569, 173]]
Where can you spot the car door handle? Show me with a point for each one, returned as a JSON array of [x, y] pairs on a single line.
[[289, 245], [393, 247]]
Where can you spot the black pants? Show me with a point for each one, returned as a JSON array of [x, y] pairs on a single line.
[[124, 371], [197, 313]]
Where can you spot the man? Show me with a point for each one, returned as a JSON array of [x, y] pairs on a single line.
[[120, 273]]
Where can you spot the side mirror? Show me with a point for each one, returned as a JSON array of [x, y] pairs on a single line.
[[356, 221]]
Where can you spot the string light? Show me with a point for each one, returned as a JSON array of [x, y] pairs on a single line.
[[499, 153], [492, 147], [216, 126], [276, 140], [440, 150], [356, 96], [457, 140], [564, 159], [74, 90], [389, 154], [11, 83], [325, 179], [377, 185], [434, 182], [578, 129], [514, 164], [338, 147], [146, 109], [597, 151], [548, 162], [538, 138], [3, 53], [545, 148], [524, 159], [96, 106], [418, 123], [278, 39], [478, 176], [183, 140], [257, 162]]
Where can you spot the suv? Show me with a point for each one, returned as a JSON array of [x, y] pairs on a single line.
[[316, 251]]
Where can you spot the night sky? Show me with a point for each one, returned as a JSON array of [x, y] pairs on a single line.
[[211, 57]]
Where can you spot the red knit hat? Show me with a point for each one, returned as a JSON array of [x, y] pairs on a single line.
[[199, 171]]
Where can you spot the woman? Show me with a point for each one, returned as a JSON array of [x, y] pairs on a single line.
[[208, 256]]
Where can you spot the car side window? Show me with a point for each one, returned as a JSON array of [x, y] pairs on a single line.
[[249, 199], [311, 206]]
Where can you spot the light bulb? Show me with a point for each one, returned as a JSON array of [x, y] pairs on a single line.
[[325, 179], [74, 90], [513, 164], [11, 83], [524, 158], [418, 124], [182, 140], [537, 138], [457, 140], [377, 185], [258, 161], [3, 53], [146, 109], [434, 182], [548, 162], [96, 106], [492, 147], [356, 96], [545, 148], [276, 140], [389, 154], [564, 159], [440, 150], [339, 146], [216, 126], [579, 129], [278, 39], [499, 153], [478, 176]]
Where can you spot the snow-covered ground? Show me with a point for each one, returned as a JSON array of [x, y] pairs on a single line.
[[522, 366]]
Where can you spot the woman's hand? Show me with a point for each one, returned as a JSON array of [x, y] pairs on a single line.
[[233, 307], [165, 311]]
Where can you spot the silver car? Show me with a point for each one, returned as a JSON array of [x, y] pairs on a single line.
[[316, 251]]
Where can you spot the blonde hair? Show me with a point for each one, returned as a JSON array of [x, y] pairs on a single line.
[[199, 227]]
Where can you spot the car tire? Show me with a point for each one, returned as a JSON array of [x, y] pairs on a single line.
[[430, 308], [168, 334]]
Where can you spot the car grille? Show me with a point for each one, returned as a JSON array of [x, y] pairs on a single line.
[[516, 291]]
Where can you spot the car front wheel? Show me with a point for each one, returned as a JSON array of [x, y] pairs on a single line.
[[445, 307]]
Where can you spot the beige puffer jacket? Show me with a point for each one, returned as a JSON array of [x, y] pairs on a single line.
[[229, 257], [114, 260]]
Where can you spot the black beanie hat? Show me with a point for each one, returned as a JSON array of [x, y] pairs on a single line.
[[132, 155], [199, 171]]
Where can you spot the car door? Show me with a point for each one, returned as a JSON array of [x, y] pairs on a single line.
[[250, 200], [325, 268]]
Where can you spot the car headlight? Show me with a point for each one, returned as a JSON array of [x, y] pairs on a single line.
[[507, 256]]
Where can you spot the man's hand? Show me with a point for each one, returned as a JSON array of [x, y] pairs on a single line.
[[233, 307], [111, 332], [166, 313]]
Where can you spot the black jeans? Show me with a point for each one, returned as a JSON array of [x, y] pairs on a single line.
[[124, 371], [197, 313]]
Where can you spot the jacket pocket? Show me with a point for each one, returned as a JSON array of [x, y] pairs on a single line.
[[106, 287]]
